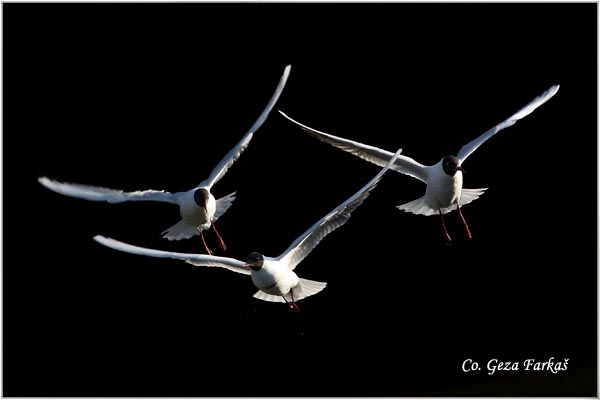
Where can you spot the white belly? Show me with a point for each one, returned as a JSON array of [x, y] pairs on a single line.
[[196, 215], [443, 190], [274, 279]]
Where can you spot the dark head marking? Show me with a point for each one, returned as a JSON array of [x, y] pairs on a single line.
[[201, 197], [255, 261], [450, 165]]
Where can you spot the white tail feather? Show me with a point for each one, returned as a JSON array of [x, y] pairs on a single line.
[[179, 231], [419, 207], [468, 195], [304, 289], [268, 297], [223, 204]]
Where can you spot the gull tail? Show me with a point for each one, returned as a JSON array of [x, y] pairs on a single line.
[[304, 289], [419, 207], [223, 205], [181, 230], [468, 195]]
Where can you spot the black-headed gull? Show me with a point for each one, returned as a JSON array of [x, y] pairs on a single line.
[[444, 180], [273, 276], [198, 207]]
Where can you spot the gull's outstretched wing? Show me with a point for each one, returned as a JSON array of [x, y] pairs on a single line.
[[405, 165], [470, 147], [219, 171], [195, 259], [304, 244], [97, 193]]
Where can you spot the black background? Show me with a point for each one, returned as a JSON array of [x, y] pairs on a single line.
[[139, 96]]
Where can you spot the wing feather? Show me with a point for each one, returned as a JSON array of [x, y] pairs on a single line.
[[98, 193], [379, 157], [223, 205], [304, 244], [470, 147], [195, 259], [219, 171]]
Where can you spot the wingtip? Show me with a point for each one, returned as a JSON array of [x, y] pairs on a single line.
[[46, 182], [289, 118], [548, 94], [105, 241], [306, 128], [99, 238], [391, 161], [394, 157], [286, 72]]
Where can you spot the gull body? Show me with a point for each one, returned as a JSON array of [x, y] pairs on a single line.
[[444, 191], [198, 208], [273, 276]]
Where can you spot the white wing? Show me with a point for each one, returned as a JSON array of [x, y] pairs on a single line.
[[195, 259], [305, 289], [219, 171], [405, 165], [97, 193], [223, 205], [470, 147], [304, 244]]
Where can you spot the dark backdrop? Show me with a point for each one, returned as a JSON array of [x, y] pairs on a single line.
[[139, 96]]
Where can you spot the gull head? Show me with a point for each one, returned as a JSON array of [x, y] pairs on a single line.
[[254, 261], [201, 197], [450, 164]]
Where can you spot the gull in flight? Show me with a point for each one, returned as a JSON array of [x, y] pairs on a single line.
[[444, 180], [198, 207], [273, 276]]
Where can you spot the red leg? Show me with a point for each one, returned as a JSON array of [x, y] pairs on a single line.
[[292, 303], [444, 227], [204, 241], [467, 231], [221, 242]]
